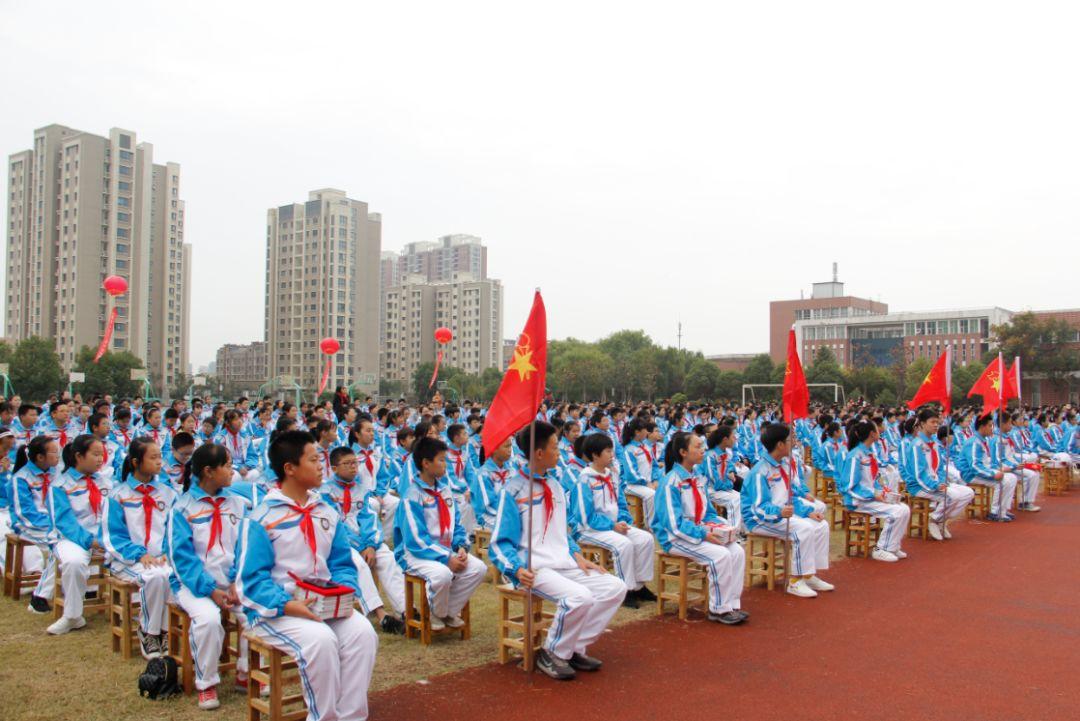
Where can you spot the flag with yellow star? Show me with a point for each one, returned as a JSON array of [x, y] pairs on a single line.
[[937, 386], [989, 386]]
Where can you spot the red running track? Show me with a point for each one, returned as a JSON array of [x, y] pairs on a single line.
[[984, 626]]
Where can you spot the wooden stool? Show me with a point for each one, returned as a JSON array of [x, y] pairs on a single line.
[[512, 626], [637, 510], [180, 645], [1056, 477], [821, 484], [807, 456], [836, 512], [481, 543], [99, 578], [920, 517], [598, 555], [416, 586], [690, 581], [764, 560], [123, 610], [980, 504], [860, 533], [15, 581], [271, 667]]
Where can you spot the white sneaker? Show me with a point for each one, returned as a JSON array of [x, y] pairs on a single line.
[[899, 554], [880, 555], [65, 624], [945, 530], [437, 624], [936, 531], [454, 621], [818, 585], [801, 589], [1032, 508]]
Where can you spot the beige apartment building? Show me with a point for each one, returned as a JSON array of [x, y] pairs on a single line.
[[471, 307], [241, 366], [322, 280], [82, 207]]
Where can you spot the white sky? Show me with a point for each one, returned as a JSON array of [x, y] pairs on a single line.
[[641, 163]]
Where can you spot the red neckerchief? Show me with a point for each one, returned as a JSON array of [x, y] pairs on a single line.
[[501, 476], [346, 498], [444, 515], [105, 453], [368, 463], [62, 437], [326, 457], [723, 465], [549, 500], [986, 446], [699, 502], [648, 456], [307, 527], [459, 464], [127, 441], [606, 480], [873, 466], [933, 455], [787, 480], [236, 443], [215, 523], [94, 494], [148, 507], [154, 432]]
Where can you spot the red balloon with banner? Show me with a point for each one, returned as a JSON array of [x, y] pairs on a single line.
[[443, 336], [115, 286], [329, 347]]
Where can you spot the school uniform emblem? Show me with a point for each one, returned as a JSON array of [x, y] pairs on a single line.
[[325, 523]]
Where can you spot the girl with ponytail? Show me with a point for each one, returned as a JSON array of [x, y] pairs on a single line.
[[866, 490], [36, 470]]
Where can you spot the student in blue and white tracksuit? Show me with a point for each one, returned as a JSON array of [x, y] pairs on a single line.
[[586, 596], [768, 508], [830, 451], [642, 468], [133, 532], [375, 474], [681, 525], [928, 476], [719, 471], [371, 556], [865, 490], [7, 442], [153, 429], [204, 525], [490, 479], [241, 446], [978, 465], [461, 473], [604, 520], [36, 469], [1011, 460], [76, 503], [296, 534], [429, 540]]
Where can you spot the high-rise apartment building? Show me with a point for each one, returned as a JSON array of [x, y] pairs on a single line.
[[322, 280], [471, 307], [82, 207], [241, 365], [436, 262]]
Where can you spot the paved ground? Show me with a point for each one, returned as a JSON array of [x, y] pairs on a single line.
[[981, 627]]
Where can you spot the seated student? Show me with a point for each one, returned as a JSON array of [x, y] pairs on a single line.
[[326, 440], [978, 465], [1047, 438], [461, 473], [928, 476], [946, 443], [241, 446], [24, 426], [719, 472], [796, 470], [76, 502], [202, 533], [489, 482], [398, 459], [602, 519], [1010, 458], [429, 540], [642, 466], [295, 534], [133, 532], [886, 457], [586, 596], [175, 459], [36, 469], [768, 507], [830, 452], [375, 473], [207, 431], [865, 490], [356, 505], [7, 442], [56, 423], [112, 458], [153, 429]]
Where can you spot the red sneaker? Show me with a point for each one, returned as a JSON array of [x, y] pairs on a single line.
[[208, 700]]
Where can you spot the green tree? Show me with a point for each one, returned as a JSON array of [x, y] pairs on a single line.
[[581, 373], [111, 374], [1042, 345], [621, 348], [868, 382], [759, 370], [392, 389], [963, 377], [914, 375], [5, 351], [490, 381], [35, 369], [728, 386], [702, 378]]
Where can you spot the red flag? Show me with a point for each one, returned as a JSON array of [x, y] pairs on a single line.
[[989, 386], [1012, 381], [936, 386], [522, 387], [796, 394]]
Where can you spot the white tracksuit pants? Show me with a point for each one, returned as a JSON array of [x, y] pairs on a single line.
[[386, 507], [953, 473], [46, 585], [206, 637], [74, 562], [335, 659], [896, 519], [32, 562], [448, 591], [584, 604], [1030, 480], [153, 582], [725, 566], [466, 514], [1000, 504], [646, 495], [389, 575], [944, 508], [732, 504], [809, 543], [632, 553]]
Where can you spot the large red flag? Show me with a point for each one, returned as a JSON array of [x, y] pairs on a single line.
[[522, 387], [796, 394], [1012, 381], [989, 386], [936, 386]]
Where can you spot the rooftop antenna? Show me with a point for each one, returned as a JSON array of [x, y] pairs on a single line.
[[835, 273], [679, 334]]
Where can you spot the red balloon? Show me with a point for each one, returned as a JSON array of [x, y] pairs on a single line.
[[444, 335], [115, 285], [329, 346]]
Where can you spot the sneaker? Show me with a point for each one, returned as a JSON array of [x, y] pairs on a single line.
[[392, 625], [163, 643], [38, 605], [581, 662], [1031, 508], [818, 585], [882, 555], [945, 530], [437, 624], [631, 600], [454, 621], [801, 589], [65, 624], [899, 554], [645, 595], [729, 618], [937, 531], [242, 685], [554, 666], [745, 614], [208, 700], [150, 646]]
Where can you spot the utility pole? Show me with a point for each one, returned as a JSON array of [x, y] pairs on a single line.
[[680, 335]]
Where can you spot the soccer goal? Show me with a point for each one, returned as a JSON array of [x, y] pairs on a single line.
[[838, 390]]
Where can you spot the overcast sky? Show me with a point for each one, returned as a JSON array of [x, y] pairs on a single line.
[[642, 164]]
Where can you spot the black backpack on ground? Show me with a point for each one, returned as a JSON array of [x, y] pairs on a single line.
[[160, 679]]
